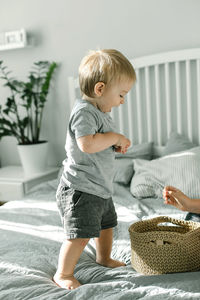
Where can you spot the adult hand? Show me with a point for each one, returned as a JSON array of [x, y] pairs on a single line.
[[175, 197]]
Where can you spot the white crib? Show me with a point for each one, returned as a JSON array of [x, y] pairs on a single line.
[[165, 98]]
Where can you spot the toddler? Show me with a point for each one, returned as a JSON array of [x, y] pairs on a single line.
[[84, 195]]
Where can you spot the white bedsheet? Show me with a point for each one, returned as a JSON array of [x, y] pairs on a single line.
[[31, 236]]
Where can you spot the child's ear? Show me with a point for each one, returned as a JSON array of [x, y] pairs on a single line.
[[99, 88]]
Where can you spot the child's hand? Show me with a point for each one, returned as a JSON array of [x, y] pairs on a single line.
[[122, 144], [175, 197], [119, 149]]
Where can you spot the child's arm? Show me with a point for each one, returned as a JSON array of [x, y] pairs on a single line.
[[101, 141], [175, 197]]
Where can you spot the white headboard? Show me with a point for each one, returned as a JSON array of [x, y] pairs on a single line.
[[165, 98]]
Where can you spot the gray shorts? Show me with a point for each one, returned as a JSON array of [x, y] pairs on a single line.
[[84, 215]]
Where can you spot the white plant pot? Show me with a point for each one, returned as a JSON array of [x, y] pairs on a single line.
[[33, 157]]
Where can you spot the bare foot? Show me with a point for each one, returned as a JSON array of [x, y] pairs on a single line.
[[111, 263], [68, 282]]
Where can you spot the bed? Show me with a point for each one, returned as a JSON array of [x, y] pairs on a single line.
[[161, 119]]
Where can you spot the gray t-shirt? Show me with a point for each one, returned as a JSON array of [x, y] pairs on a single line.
[[90, 173]]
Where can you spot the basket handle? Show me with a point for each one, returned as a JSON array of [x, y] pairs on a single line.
[[165, 219]]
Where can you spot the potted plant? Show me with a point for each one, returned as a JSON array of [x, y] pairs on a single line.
[[21, 115]]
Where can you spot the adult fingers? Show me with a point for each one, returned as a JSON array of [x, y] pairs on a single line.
[[170, 188]]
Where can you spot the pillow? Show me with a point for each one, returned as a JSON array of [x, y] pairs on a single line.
[[124, 162], [144, 151], [177, 142], [181, 170], [123, 172]]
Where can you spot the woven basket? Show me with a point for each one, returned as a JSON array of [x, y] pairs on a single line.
[[158, 248]]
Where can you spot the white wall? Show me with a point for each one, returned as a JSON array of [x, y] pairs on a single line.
[[65, 29]]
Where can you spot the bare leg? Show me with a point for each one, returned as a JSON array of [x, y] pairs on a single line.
[[103, 249], [69, 255]]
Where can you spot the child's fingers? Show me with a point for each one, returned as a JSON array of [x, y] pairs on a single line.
[[118, 149]]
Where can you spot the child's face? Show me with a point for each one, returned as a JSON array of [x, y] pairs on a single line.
[[114, 94]]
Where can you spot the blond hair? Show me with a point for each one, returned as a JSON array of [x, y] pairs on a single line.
[[107, 65]]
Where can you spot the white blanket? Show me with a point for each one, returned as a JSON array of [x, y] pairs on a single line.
[[30, 238]]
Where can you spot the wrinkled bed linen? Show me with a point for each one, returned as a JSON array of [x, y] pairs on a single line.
[[31, 236]]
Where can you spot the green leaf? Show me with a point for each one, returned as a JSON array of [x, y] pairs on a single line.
[[5, 122], [31, 96], [6, 111]]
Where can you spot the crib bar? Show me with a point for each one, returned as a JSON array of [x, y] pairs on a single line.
[[178, 97], [168, 106], [72, 91], [198, 97], [130, 117], [148, 106], [189, 101], [120, 116], [158, 108], [139, 110]]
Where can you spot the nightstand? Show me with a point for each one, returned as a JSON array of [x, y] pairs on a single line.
[[14, 184]]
